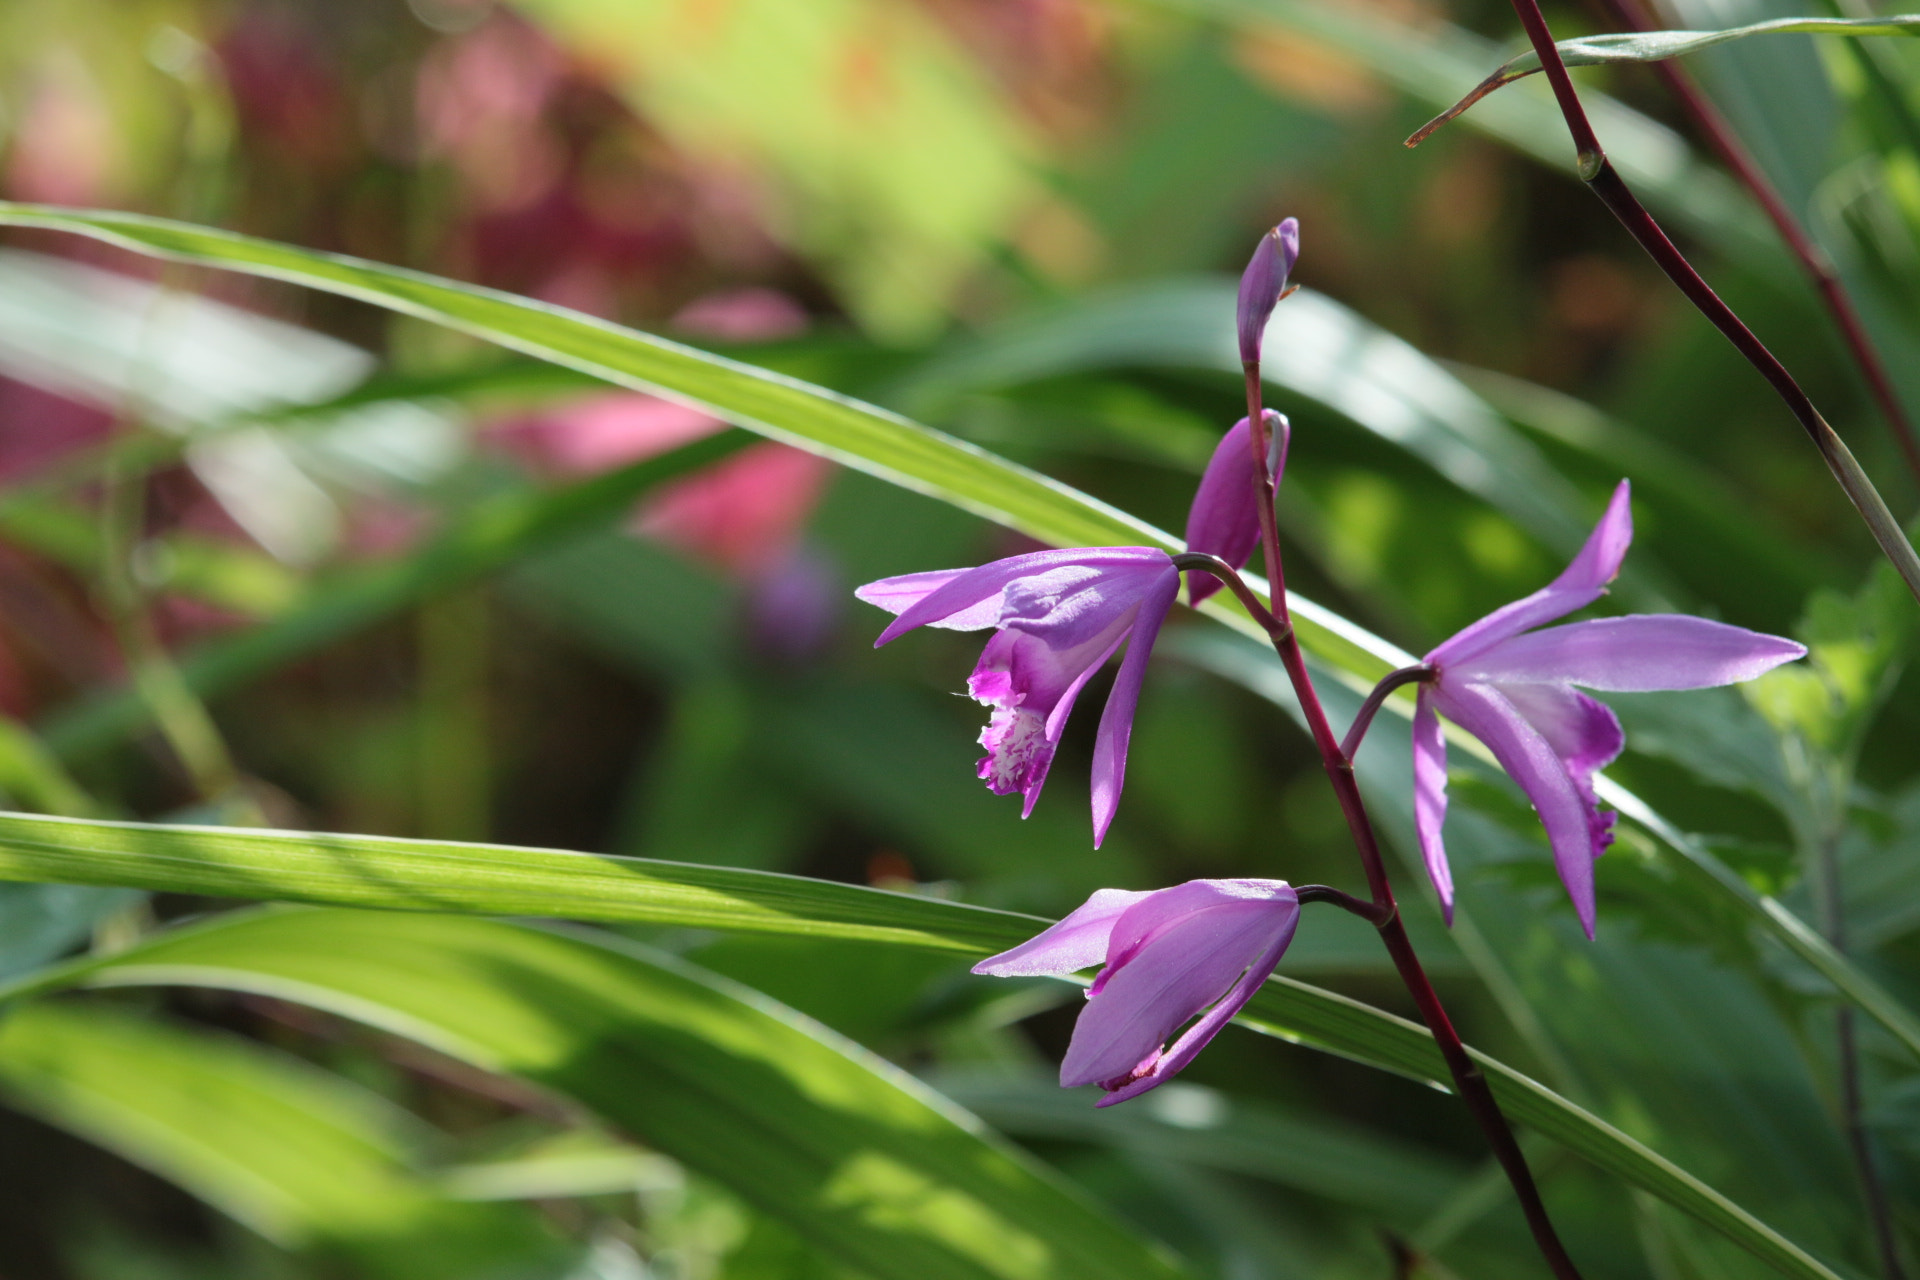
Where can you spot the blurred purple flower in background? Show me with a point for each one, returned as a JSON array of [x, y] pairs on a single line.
[[1058, 615], [1203, 947], [1515, 693]]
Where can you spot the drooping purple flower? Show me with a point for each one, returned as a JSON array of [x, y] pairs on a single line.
[[1225, 517], [1513, 688], [1057, 615], [1198, 949], [1262, 284]]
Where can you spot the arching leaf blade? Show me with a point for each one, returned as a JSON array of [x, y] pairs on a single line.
[[300, 1156], [850, 1152]]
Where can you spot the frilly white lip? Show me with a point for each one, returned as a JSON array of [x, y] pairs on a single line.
[[1512, 687]]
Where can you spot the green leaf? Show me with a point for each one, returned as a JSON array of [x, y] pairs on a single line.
[[856, 434], [1306, 1015], [427, 876], [1658, 46], [1295, 1147], [860, 435], [421, 875], [295, 1153], [847, 1150]]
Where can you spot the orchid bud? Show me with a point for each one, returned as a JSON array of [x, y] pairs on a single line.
[[1225, 517], [1263, 285]]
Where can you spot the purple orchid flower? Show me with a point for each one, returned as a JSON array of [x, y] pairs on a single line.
[[1199, 948], [1513, 688], [1058, 616]]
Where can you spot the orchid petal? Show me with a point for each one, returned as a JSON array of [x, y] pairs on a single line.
[[1584, 733], [1075, 943], [958, 603], [1225, 517], [1640, 653], [1531, 761], [1073, 606], [1185, 959], [897, 595], [1170, 1063], [1116, 722], [1430, 797], [1583, 582]]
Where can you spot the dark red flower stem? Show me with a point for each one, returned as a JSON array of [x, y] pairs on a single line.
[[1812, 258], [1599, 175], [1469, 1082]]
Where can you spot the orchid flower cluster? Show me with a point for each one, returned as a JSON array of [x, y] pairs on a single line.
[[1201, 949]]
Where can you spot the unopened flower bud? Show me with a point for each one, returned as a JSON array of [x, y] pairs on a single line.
[[1263, 285]]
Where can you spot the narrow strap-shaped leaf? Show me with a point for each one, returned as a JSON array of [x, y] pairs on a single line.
[[1658, 46], [1308, 1015], [295, 1153], [850, 1152], [431, 876], [482, 879], [860, 435]]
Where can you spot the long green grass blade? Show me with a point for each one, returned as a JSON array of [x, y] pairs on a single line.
[[420, 876], [295, 1153], [853, 1154]]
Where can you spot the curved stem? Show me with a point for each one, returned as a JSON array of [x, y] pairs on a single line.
[[1419, 673], [1368, 911], [1470, 1084], [1599, 175]]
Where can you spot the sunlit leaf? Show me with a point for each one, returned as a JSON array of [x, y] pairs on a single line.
[[299, 1155], [850, 1152], [428, 876]]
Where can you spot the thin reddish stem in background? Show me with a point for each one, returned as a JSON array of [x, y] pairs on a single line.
[[1470, 1083], [1813, 260], [1599, 175]]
